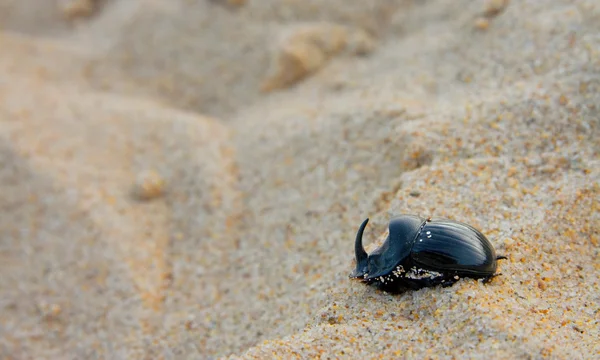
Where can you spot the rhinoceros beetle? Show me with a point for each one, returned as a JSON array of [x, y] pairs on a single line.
[[421, 252]]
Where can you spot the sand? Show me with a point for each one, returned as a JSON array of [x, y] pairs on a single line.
[[184, 179]]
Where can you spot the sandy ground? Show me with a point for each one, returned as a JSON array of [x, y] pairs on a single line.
[[184, 179]]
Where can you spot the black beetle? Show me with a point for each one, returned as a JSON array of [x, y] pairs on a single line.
[[421, 252]]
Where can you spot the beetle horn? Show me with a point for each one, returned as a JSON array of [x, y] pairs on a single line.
[[359, 251]]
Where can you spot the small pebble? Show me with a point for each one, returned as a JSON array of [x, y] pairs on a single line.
[[149, 185], [482, 23], [494, 8], [78, 8]]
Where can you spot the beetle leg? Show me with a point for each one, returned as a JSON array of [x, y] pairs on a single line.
[[488, 279]]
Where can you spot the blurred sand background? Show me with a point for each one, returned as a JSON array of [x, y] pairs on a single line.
[[184, 178]]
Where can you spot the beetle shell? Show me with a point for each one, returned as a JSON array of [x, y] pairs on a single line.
[[422, 252]]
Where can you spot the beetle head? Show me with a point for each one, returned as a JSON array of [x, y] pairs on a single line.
[[367, 264], [394, 250]]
